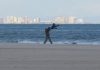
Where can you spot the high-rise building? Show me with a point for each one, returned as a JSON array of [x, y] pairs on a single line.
[[71, 20], [15, 20], [11, 19], [20, 20], [37, 20], [1, 20], [59, 20]]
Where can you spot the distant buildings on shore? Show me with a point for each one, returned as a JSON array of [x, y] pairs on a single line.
[[37, 20], [68, 20]]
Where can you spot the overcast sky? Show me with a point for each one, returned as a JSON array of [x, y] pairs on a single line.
[[87, 9]]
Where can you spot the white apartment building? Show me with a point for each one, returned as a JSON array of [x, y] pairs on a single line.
[[59, 20], [36, 20], [71, 20]]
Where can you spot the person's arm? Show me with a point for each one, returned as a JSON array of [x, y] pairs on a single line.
[[54, 26]]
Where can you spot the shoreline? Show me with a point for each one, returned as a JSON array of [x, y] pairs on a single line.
[[30, 45]]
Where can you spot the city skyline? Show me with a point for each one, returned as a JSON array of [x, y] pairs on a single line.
[[86, 9], [38, 20]]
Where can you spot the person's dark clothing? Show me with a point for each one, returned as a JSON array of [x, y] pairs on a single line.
[[47, 31], [54, 26]]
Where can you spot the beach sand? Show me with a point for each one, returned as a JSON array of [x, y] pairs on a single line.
[[49, 57]]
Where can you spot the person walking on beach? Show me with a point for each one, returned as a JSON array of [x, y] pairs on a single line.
[[47, 32]]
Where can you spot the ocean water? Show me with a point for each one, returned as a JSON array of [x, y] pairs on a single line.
[[64, 34]]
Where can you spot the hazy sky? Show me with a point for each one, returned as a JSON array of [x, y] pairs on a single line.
[[87, 9]]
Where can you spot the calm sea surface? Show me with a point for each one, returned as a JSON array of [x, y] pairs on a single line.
[[64, 34]]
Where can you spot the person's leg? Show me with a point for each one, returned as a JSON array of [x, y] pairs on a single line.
[[49, 40], [45, 40]]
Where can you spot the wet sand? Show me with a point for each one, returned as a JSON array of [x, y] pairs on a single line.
[[49, 57]]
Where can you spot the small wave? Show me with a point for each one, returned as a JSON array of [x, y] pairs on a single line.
[[28, 41], [62, 42]]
